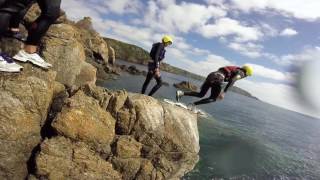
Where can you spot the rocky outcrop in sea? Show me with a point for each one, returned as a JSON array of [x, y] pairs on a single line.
[[58, 124], [185, 85]]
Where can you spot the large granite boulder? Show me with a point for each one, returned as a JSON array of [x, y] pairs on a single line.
[[93, 43], [82, 119], [24, 104], [62, 49], [168, 135], [61, 158], [151, 139]]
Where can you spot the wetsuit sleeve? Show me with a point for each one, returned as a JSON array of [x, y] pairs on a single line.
[[238, 75], [157, 56]]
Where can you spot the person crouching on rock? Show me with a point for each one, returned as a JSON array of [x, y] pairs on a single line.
[[157, 54], [215, 80], [50, 11]]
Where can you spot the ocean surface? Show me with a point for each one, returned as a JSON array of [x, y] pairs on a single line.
[[244, 138]]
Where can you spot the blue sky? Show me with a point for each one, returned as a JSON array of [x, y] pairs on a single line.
[[275, 36]]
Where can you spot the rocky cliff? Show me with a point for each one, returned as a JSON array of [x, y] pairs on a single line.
[[58, 124]]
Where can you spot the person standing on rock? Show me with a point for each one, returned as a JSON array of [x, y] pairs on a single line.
[[50, 11], [215, 80], [157, 54]]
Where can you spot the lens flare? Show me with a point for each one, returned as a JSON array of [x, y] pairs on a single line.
[[308, 84]]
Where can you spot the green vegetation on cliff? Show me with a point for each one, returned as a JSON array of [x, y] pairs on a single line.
[[128, 52], [136, 54]]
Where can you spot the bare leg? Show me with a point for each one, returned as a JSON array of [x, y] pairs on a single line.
[[30, 48]]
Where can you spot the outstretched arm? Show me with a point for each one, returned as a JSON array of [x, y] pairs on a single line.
[[236, 77]]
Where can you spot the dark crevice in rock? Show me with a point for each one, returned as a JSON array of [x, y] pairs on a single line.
[[47, 131], [72, 90], [138, 173], [114, 147], [31, 163], [98, 57]]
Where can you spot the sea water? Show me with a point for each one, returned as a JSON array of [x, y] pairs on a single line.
[[244, 138]]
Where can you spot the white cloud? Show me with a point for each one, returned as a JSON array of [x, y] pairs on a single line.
[[230, 27], [302, 9], [272, 73], [288, 32], [217, 2], [210, 64], [181, 44], [197, 51], [308, 54], [78, 9], [247, 49], [123, 6], [277, 94], [141, 36], [268, 30], [182, 17]]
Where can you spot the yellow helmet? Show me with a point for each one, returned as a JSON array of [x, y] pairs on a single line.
[[167, 39], [248, 69]]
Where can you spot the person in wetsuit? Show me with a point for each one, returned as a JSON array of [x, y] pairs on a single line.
[[215, 80], [50, 11], [157, 54]]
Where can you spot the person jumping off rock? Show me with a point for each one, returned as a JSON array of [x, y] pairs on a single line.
[[215, 80], [9, 10], [157, 54]]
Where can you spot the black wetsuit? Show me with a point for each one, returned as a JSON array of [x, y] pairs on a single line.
[[214, 81], [2, 2], [157, 54], [18, 17], [50, 11]]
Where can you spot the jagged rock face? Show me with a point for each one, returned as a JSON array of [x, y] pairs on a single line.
[[62, 49], [60, 158], [99, 134], [168, 134], [151, 140], [82, 119], [24, 103], [95, 45], [85, 23]]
